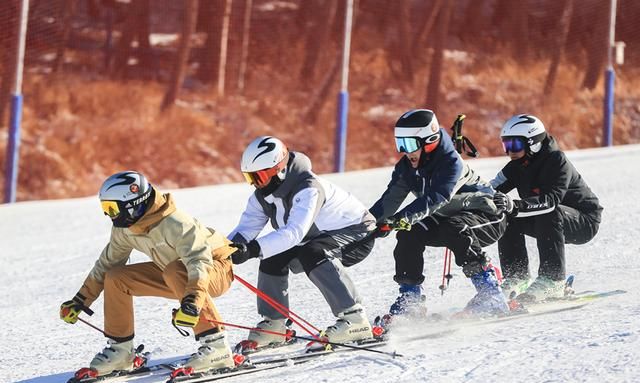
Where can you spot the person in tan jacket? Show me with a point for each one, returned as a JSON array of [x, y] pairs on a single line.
[[189, 262]]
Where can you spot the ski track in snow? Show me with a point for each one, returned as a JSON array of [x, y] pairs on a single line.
[[47, 248]]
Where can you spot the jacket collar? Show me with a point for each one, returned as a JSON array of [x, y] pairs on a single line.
[[162, 207]]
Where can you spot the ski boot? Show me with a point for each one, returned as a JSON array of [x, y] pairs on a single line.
[[489, 299], [512, 287], [259, 340], [410, 304], [352, 326], [543, 289], [116, 359], [213, 355]]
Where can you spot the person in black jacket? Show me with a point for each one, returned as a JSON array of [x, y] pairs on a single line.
[[453, 208], [556, 207]]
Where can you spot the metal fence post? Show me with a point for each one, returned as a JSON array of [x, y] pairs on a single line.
[[343, 96], [13, 144], [609, 81]]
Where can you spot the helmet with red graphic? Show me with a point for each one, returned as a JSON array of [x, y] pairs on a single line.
[[125, 197], [523, 132], [264, 162], [417, 128]]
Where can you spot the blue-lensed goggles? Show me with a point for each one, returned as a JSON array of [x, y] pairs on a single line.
[[407, 144], [513, 144], [411, 144]]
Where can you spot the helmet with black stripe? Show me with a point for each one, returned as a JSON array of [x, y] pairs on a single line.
[[125, 197], [415, 129], [523, 131], [264, 163]]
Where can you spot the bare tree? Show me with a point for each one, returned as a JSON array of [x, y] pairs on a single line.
[[433, 89], [599, 42], [66, 17], [9, 39], [562, 34], [136, 28], [210, 22], [182, 56], [317, 36], [405, 48]]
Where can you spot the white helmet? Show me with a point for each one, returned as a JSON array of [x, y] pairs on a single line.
[[264, 158], [125, 197], [415, 129], [527, 127]]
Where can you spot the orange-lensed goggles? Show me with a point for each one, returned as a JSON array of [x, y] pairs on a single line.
[[110, 208], [261, 178]]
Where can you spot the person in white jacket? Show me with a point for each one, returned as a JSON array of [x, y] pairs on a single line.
[[318, 228]]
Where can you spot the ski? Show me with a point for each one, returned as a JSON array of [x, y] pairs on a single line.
[[210, 376], [260, 363]]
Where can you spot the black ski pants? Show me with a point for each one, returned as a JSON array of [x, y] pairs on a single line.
[[552, 231], [464, 234]]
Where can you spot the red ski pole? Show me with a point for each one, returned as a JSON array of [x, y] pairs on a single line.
[[319, 340], [280, 308]]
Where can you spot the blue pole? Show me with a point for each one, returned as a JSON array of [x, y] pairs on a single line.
[[610, 78], [13, 142], [13, 148], [341, 137], [343, 96]]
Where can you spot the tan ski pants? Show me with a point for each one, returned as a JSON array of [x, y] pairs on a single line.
[[146, 279]]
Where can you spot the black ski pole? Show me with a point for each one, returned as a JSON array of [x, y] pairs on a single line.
[[92, 326]]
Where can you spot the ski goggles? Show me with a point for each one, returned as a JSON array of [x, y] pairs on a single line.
[[411, 144], [262, 177], [110, 208], [513, 144]]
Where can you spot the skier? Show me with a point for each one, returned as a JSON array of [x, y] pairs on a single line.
[[556, 207], [188, 262], [453, 208], [318, 228]]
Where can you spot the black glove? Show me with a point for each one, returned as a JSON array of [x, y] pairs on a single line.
[[187, 315], [503, 202], [245, 251]]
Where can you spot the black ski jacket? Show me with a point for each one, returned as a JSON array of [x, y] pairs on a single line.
[[546, 180]]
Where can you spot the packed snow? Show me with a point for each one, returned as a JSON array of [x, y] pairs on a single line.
[[47, 248]]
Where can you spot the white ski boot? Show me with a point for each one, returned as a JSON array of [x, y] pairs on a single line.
[[263, 339], [352, 325], [114, 357], [214, 353], [542, 289]]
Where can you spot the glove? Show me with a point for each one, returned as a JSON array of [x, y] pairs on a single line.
[[245, 251], [503, 202], [382, 230], [387, 225], [70, 310], [397, 223], [187, 315]]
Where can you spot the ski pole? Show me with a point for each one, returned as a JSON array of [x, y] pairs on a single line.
[[279, 307], [92, 326], [446, 271], [319, 340]]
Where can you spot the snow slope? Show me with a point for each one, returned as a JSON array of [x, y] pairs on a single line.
[[47, 247]]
